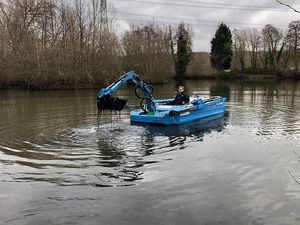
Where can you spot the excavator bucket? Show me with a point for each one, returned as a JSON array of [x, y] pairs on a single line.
[[111, 103]]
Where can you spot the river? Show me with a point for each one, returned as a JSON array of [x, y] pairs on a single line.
[[58, 166]]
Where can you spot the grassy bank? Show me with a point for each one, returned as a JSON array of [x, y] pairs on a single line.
[[259, 75], [232, 75]]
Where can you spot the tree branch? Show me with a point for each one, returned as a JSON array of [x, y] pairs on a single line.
[[294, 178], [287, 6]]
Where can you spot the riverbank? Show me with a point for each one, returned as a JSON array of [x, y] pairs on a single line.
[[52, 86], [230, 75], [248, 75]]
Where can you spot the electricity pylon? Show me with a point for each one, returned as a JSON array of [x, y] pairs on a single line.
[[103, 15]]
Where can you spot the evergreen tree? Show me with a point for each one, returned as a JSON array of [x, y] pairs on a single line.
[[184, 51], [221, 48]]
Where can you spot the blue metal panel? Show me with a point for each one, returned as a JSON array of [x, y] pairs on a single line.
[[167, 115]]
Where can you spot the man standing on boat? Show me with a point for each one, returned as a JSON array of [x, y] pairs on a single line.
[[181, 98]]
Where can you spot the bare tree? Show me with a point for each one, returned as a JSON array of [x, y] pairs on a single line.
[[272, 39], [95, 25], [240, 46], [253, 42], [46, 42], [287, 5], [293, 39], [172, 42], [147, 50], [286, 53]]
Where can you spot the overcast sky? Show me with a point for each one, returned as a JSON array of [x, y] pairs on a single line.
[[204, 15]]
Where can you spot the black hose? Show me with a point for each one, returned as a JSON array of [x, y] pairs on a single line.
[[143, 97], [149, 93], [150, 89], [142, 106]]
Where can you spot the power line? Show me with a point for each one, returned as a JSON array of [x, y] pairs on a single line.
[[225, 4], [189, 19], [209, 5], [103, 14], [198, 22], [163, 22], [193, 24]]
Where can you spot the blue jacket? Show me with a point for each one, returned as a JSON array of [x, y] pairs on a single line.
[[180, 98]]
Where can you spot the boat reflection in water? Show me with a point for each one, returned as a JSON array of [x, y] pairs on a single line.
[[124, 149], [193, 128], [178, 134]]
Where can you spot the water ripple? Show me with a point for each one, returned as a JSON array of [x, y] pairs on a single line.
[[111, 154]]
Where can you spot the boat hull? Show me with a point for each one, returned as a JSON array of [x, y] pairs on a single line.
[[179, 115]]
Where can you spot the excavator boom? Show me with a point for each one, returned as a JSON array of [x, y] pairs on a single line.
[[106, 101]]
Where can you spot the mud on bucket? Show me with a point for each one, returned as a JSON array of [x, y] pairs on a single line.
[[111, 103]]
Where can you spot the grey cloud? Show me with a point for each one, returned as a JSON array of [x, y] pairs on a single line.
[[204, 21]]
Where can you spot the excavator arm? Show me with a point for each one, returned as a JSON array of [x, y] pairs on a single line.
[[106, 101]]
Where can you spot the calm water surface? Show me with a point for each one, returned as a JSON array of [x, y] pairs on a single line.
[[58, 167]]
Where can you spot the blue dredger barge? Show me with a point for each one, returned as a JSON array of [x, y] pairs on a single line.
[[155, 111]]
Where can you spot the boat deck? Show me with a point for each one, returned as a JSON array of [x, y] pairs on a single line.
[[176, 114]]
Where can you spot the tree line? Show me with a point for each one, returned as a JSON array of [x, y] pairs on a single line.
[[48, 43], [43, 42], [58, 44], [267, 50], [270, 49]]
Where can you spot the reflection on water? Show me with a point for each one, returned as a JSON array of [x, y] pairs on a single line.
[[55, 132], [177, 135], [220, 89], [126, 146], [111, 152], [246, 159]]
